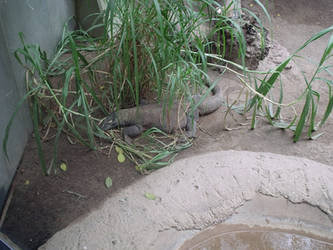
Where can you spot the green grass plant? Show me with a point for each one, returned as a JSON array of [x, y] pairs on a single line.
[[309, 112], [145, 52], [149, 49]]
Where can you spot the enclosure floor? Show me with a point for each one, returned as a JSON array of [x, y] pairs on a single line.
[[42, 205]]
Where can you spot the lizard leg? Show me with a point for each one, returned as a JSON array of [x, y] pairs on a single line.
[[191, 124], [131, 131]]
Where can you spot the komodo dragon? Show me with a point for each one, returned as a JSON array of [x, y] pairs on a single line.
[[135, 120]]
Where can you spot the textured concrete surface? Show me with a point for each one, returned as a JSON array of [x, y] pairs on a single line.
[[234, 187]]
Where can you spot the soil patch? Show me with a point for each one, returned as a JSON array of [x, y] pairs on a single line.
[[43, 205]]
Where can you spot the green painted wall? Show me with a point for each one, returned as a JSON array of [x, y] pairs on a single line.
[[42, 22]]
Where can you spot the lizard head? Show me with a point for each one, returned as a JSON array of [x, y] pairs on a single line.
[[109, 122]]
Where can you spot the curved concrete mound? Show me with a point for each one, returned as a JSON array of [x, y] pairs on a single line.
[[170, 206]]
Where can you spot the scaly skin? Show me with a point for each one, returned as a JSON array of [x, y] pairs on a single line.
[[135, 120]]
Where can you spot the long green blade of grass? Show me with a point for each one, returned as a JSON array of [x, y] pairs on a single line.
[[9, 125], [266, 86], [80, 91], [329, 106], [301, 122]]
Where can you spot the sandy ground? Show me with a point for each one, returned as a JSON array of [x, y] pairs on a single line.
[[228, 187], [293, 23], [47, 205]]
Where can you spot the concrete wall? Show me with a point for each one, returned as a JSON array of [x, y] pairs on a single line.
[[84, 11], [42, 22]]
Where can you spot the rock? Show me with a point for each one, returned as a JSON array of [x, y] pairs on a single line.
[[256, 41], [277, 54]]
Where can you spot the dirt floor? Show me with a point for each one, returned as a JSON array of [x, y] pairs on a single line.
[[43, 205]]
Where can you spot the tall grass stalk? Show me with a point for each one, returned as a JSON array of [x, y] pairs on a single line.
[[146, 51], [150, 49], [309, 113]]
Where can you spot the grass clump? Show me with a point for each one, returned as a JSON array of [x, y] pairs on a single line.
[[308, 117], [146, 51], [150, 49]]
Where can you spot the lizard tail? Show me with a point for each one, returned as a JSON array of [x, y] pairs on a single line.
[[211, 103]]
